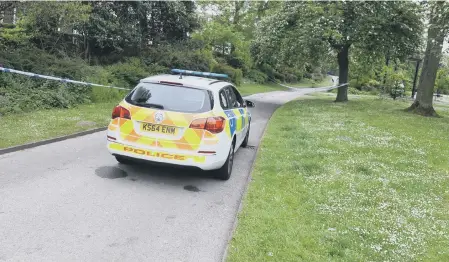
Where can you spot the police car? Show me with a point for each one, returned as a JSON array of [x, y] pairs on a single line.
[[186, 118]]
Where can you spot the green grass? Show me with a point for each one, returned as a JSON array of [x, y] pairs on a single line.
[[24, 128], [356, 181], [247, 89]]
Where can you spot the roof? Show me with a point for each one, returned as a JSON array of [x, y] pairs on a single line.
[[190, 81]]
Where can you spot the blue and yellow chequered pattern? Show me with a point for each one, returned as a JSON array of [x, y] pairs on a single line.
[[237, 119]]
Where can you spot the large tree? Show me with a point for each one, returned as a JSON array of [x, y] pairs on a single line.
[[302, 32], [114, 27], [45, 23], [437, 31], [228, 29]]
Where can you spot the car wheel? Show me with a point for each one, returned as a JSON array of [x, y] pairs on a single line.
[[123, 160], [245, 141], [224, 173]]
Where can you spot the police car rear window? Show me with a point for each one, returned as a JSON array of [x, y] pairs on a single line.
[[171, 98]]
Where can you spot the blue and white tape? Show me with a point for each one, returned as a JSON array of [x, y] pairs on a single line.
[[323, 87], [63, 80]]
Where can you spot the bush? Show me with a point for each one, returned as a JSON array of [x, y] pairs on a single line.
[[180, 56], [290, 78], [235, 74], [257, 76], [353, 83], [23, 94], [371, 85], [318, 77], [128, 73], [268, 70]]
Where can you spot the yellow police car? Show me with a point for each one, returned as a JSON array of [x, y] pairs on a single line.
[[185, 118]]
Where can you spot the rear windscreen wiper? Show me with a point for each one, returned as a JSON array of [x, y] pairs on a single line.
[[149, 105]]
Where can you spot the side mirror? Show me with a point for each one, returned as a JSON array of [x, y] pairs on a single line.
[[249, 103]]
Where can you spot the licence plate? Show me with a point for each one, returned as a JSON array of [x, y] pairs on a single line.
[[168, 130]]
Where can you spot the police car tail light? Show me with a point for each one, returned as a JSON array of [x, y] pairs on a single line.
[[215, 124], [121, 112], [211, 124], [198, 123]]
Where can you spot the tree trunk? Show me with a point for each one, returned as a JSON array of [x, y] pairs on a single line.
[[343, 68], [387, 63], [238, 5], [143, 23], [423, 104], [86, 48]]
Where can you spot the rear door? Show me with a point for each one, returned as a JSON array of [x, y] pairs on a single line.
[[161, 115], [236, 113]]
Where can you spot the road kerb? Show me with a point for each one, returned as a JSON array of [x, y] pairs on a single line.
[[49, 141]]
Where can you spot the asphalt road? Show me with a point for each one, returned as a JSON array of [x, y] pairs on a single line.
[[71, 201]]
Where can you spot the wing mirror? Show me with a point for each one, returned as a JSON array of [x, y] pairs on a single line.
[[249, 103]]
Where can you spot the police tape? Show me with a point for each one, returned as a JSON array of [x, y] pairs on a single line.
[[62, 80], [321, 87]]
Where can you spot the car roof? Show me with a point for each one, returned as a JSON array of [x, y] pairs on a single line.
[[190, 81]]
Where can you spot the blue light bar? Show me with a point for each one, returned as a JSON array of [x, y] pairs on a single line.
[[197, 73]]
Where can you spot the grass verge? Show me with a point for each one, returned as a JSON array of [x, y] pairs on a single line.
[[356, 181], [18, 129], [247, 89]]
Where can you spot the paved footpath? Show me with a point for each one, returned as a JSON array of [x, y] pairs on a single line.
[[71, 201]]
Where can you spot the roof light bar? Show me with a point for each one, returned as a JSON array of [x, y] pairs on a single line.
[[198, 73]]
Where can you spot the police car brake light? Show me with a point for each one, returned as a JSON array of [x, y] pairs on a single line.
[[198, 73], [121, 112], [212, 124]]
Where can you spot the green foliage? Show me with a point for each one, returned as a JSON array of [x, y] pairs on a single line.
[[118, 43], [186, 54], [22, 94], [394, 81], [306, 34], [226, 42], [128, 73], [442, 81], [236, 75], [257, 76], [44, 21]]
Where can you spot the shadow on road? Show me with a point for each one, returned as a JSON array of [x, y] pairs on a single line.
[[190, 179]]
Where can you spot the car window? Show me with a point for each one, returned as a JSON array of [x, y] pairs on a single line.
[[223, 100], [239, 98], [233, 103], [170, 97]]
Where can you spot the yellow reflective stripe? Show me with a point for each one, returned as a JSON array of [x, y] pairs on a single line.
[[156, 154], [238, 119], [178, 119], [126, 126], [191, 137], [167, 144], [116, 146]]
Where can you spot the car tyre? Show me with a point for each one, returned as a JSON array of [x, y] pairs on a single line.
[[123, 160], [224, 173], [245, 141]]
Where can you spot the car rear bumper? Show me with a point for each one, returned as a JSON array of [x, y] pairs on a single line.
[[202, 161]]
